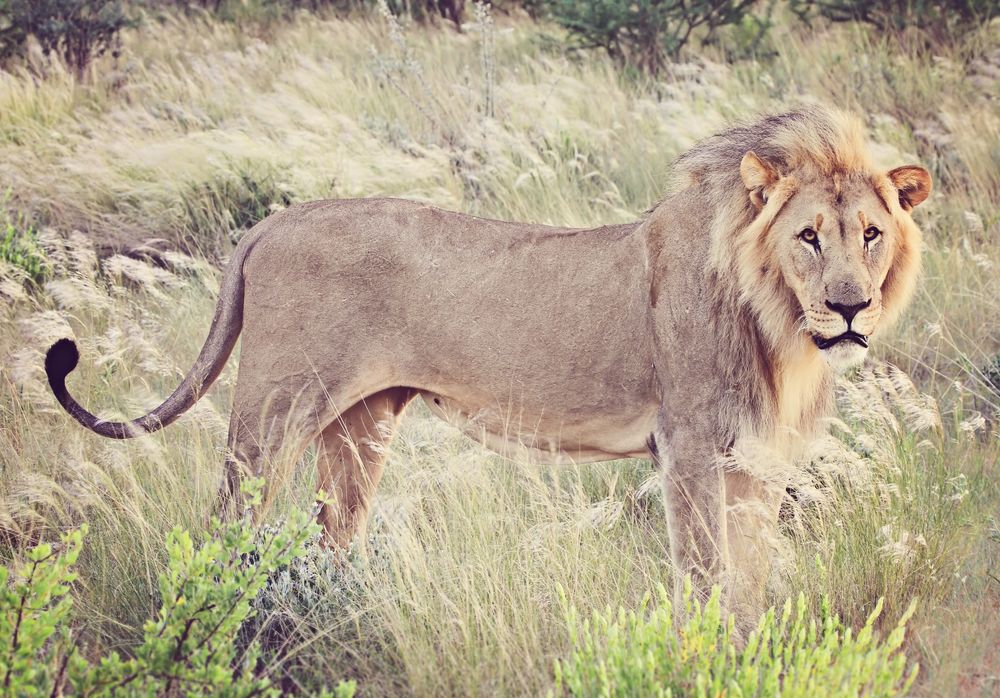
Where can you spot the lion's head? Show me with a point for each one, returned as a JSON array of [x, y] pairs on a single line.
[[844, 244], [822, 242]]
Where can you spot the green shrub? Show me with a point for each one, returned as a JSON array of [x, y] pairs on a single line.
[[296, 609], [749, 37], [19, 247], [188, 649], [639, 653], [35, 641], [644, 33], [293, 601], [78, 30], [939, 20]]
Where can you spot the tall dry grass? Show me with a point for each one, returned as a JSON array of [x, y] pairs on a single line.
[[206, 127]]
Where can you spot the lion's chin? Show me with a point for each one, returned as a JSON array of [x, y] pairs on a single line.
[[844, 356]]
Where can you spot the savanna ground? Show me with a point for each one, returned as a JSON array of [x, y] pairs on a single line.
[[200, 128]]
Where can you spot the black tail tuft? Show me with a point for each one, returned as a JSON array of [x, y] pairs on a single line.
[[60, 360]]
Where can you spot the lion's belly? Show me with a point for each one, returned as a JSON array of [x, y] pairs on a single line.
[[617, 434]]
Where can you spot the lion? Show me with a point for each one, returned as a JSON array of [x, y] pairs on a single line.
[[722, 315]]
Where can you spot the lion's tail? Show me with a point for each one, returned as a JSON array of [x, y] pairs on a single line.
[[62, 358]]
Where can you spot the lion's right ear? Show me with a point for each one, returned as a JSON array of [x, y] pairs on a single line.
[[759, 177], [913, 184]]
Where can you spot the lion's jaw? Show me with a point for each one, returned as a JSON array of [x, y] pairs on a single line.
[[844, 356]]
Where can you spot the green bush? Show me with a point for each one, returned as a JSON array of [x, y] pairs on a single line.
[[640, 653], [188, 649], [300, 603], [19, 247], [644, 34], [939, 20], [78, 30], [749, 37]]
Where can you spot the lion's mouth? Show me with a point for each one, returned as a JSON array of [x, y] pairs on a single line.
[[849, 336]]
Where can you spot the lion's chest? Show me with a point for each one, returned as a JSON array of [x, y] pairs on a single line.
[[799, 391]]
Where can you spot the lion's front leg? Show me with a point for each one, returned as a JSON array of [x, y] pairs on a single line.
[[751, 533], [693, 494]]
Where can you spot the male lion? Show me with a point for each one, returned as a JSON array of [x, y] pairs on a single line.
[[717, 318]]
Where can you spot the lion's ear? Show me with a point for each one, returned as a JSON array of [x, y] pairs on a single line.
[[913, 184], [759, 177]]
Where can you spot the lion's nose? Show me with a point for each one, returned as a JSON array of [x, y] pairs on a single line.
[[848, 311]]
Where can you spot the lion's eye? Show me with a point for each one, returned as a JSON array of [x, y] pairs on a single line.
[[871, 232], [811, 236]]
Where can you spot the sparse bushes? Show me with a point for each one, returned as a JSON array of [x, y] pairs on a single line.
[[941, 21], [77, 30], [427, 9], [256, 10], [292, 604], [644, 34], [638, 653], [188, 649], [237, 10], [80, 30]]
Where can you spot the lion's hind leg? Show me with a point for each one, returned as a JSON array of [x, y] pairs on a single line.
[[269, 430], [352, 453]]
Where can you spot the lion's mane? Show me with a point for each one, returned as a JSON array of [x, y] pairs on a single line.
[[757, 312]]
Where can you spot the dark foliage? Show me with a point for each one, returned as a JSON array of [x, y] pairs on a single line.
[[645, 33], [236, 10], [939, 21], [77, 30]]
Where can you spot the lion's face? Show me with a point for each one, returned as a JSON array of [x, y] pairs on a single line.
[[835, 251], [837, 241]]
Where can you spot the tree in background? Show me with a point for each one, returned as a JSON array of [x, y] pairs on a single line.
[[644, 34], [939, 21], [77, 30]]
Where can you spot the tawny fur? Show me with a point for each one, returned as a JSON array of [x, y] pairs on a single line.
[[695, 324]]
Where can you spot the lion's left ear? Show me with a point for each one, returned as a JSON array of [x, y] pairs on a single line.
[[913, 184], [759, 177]]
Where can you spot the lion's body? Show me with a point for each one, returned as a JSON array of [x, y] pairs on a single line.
[[492, 323], [710, 322]]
